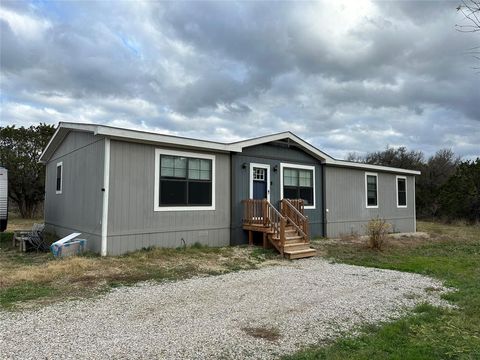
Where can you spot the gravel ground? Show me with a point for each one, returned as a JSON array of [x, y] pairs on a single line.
[[301, 303]]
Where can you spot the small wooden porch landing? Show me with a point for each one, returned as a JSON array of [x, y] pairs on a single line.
[[286, 230]]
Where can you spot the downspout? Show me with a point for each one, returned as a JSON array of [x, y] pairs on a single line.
[[324, 199], [105, 190], [414, 207], [232, 198]]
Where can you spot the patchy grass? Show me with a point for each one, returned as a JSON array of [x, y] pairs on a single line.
[[452, 254], [23, 292], [15, 222], [27, 279]]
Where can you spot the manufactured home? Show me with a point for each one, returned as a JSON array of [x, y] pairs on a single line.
[[125, 190]]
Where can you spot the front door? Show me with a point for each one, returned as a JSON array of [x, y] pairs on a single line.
[[260, 181]]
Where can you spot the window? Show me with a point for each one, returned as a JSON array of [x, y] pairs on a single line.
[[298, 182], [258, 174], [184, 181], [58, 178], [401, 191], [371, 189]]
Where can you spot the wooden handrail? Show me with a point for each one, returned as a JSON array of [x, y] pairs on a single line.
[[262, 212], [253, 212], [300, 230], [288, 202], [299, 220]]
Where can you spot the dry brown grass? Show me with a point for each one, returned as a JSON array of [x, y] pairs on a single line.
[[15, 222], [429, 233], [86, 275], [352, 236]]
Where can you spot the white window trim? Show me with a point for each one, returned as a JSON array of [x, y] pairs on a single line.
[[262, 166], [61, 177], [406, 191], [297, 166], [156, 192], [366, 191]]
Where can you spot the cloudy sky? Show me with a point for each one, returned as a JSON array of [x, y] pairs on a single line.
[[344, 75]]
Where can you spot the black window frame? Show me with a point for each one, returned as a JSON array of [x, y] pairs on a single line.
[[186, 181], [298, 188], [404, 192], [367, 190]]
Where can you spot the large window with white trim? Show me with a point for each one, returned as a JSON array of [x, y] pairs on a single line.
[[184, 181], [401, 191], [371, 190], [298, 182]]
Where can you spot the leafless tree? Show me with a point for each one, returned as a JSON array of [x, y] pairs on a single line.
[[471, 11]]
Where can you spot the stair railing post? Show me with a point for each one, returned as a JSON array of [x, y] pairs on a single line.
[[265, 212], [282, 234], [306, 229]]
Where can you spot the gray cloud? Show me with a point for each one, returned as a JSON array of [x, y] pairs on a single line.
[[346, 76]]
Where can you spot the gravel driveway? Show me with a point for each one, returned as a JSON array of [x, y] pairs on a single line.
[[257, 314]]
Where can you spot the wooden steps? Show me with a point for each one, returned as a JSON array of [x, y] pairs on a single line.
[[286, 231], [296, 246], [292, 238], [298, 254]]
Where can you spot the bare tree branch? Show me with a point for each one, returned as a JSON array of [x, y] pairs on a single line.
[[471, 11]]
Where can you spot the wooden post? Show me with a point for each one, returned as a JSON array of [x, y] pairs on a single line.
[[264, 240], [307, 235], [282, 235], [264, 212], [250, 238]]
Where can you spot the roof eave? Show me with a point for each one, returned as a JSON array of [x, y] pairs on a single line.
[[342, 163], [141, 136], [323, 157]]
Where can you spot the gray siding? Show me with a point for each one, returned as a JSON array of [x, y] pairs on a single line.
[[132, 222], [79, 207], [271, 154], [346, 203]]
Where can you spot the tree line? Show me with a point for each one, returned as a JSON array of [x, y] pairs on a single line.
[[20, 150], [448, 187]]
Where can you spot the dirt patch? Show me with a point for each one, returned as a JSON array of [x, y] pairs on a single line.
[[266, 333]]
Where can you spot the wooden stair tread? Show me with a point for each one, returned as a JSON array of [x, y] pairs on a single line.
[[298, 254], [301, 251], [288, 238], [299, 244]]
